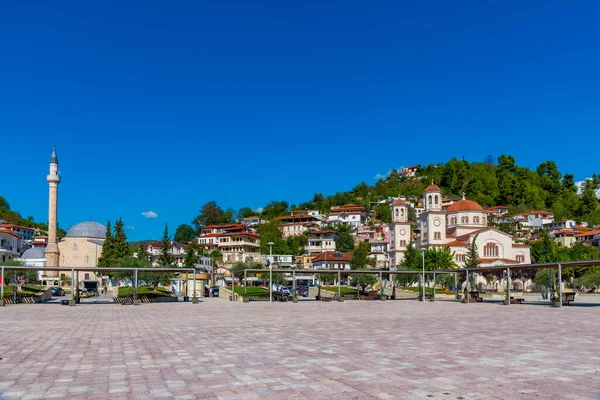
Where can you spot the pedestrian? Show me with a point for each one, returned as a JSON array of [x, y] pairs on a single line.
[[544, 293]]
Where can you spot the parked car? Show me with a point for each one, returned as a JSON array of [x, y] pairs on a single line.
[[56, 291], [303, 291], [286, 291]]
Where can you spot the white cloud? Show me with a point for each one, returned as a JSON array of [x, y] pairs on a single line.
[[150, 214], [580, 187], [131, 228], [380, 176], [259, 210]]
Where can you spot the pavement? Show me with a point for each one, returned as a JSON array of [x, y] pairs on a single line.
[[310, 350]]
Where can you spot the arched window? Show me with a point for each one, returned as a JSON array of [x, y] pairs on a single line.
[[396, 212], [475, 220], [490, 250], [437, 235], [460, 257], [429, 199], [520, 258], [87, 260], [75, 248], [436, 200], [402, 212], [464, 220], [453, 220], [402, 243], [62, 260]]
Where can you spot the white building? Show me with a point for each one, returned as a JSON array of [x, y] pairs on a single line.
[[460, 225], [10, 244], [349, 214], [24, 232], [320, 241]]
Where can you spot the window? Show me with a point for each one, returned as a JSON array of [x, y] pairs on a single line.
[[429, 199], [403, 243], [402, 212], [62, 260], [464, 220], [520, 258], [475, 220], [436, 200], [87, 276], [87, 260], [437, 235], [490, 250], [453, 220], [460, 257], [396, 212], [75, 248]]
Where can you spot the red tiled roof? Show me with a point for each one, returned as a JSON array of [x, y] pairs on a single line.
[[498, 208], [321, 232], [519, 245], [16, 226], [399, 202], [457, 243], [590, 233], [432, 188], [464, 205], [331, 256], [224, 226], [9, 232], [541, 212]]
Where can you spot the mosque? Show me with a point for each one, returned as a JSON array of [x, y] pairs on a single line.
[[81, 247]]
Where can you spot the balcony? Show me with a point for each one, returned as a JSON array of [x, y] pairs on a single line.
[[239, 243]]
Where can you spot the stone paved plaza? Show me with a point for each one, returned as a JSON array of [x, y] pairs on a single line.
[[312, 350]]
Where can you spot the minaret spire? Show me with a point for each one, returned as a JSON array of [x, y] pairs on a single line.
[[53, 179]]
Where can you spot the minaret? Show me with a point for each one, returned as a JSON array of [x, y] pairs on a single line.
[[52, 253]]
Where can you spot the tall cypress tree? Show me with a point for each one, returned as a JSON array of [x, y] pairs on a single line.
[[166, 258], [120, 246], [191, 257], [108, 249], [472, 256]]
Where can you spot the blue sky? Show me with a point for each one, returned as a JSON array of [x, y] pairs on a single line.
[[163, 106]]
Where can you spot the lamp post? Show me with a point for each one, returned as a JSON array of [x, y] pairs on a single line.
[[270, 271], [423, 283]]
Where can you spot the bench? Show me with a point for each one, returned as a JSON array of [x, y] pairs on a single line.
[[475, 298], [518, 300], [325, 298], [64, 302], [568, 298]]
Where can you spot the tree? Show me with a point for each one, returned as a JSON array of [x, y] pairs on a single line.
[[406, 280], [21, 277], [210, 214], [271, 232], [589, 200], [412, 258], [383, 213], [345, 240], [120, 246], [245, 212], [360, 258], [191, 256], [275, 209], [472, 256], [4, 206], [437, 258], [142, 252], [185, 234], [166, 259], [107, 257]]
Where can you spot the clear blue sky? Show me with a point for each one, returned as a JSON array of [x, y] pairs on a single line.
[[163, 106]]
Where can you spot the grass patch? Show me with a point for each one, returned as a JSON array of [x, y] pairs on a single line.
[[147, 291], [343, 290], [427, 290], [28, 290], [251, 291]]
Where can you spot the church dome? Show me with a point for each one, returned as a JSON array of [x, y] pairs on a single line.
[[34, 253], [87, 229], [464, 205]]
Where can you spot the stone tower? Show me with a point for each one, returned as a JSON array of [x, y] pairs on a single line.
[[432, 219], [52, 252]]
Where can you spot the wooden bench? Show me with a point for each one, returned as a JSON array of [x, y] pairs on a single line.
[[567, 298], [518, 300]]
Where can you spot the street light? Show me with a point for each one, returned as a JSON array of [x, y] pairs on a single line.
[[270, 271], [423, 283]]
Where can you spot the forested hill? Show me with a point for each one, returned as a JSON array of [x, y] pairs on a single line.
[[489, 183], [14, 217]]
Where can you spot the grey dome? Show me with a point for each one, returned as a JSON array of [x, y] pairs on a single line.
[[87, 229], [33, 253]]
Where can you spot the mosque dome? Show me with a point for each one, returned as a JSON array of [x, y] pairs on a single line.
[[87, 229], [34, 253]]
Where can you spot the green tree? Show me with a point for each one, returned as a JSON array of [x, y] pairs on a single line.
[[345, 240], [191, 256], [472, 256], [271, 232], [166, 259], [142, 252], [245, 212], [210, 214], [275, 209], [383, 213], [20, 277], [107, 257], [120, 246], [185, 234]]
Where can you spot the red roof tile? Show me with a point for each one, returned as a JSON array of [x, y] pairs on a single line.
[[464, 205], [399, 202], [333, 256], [432, 188]]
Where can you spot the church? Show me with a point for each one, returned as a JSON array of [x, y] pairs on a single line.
[[455, 227]]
